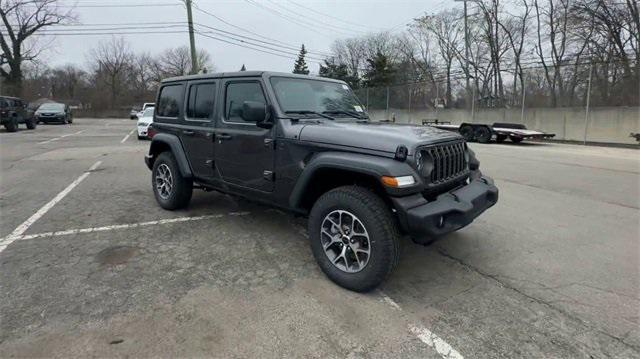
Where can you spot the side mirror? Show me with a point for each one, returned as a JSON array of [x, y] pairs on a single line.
[[253, 111]]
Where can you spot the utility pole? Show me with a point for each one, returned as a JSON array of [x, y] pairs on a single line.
[[586, 114], [466, 48], [192, 39]]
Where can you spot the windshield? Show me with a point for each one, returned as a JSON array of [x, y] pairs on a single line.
[[315, 95], [148, 112], [52, 107]]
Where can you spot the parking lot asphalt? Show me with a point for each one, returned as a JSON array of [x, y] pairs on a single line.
[[91, 266]]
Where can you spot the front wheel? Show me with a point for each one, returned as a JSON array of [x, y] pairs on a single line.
[[354, 237], [515, 139], [171, 189], [12, 125]]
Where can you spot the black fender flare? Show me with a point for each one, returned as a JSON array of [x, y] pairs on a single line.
[[374, 166], [163, 140]]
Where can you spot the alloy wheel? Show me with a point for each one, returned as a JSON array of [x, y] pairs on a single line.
[[164, 181], [345, 241]]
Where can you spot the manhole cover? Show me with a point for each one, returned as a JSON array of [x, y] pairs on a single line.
[[116, 255]]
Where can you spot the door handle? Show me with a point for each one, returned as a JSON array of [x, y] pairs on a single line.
[[188, 132], [223, 136]]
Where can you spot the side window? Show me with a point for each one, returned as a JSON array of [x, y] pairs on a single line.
[[200, 102], [170, 101], [237, 94]]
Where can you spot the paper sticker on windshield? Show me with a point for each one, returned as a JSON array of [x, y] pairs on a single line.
[[358, 108], [345, 87]]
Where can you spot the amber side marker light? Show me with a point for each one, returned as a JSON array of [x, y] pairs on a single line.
[[398, 182]]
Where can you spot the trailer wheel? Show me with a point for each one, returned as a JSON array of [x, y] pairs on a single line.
[[501, 138], [483, 134], [515, 139], [467, 132]]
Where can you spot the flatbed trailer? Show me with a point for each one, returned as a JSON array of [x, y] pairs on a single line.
[[484, 133]]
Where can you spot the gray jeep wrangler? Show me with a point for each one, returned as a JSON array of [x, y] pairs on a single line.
[[307, 145]]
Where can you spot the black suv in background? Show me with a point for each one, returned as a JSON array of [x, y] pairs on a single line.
[[13, 111], [306, 144]]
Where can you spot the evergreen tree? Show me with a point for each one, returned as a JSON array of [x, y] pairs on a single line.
[[339, 72], [300, 67], [379, 71], [243, 68]]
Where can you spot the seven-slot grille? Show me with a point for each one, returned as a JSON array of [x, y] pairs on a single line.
[[448, 161]]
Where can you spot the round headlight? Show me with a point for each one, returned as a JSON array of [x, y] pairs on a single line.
[[419, 161]]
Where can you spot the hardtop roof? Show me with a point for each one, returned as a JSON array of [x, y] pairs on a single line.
[[218, 75]]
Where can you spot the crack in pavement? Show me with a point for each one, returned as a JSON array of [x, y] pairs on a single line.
[[537, 300]]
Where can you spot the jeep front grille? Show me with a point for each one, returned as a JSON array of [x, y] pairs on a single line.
[[449, 161]]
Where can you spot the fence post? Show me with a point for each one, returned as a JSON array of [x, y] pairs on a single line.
[[473, 103], [409, 115], [387, 111], [586, 115], [367, 98], [524, 94]]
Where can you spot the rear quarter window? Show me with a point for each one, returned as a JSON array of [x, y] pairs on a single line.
[[170, 101]]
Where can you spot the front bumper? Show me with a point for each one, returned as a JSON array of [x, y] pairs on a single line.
[[450, 211], [47, 119]]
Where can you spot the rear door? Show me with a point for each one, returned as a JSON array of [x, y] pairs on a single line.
[[244, 152], [198, 127]]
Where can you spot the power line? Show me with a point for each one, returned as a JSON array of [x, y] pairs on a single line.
[[314, 21], [119, 5], [247, 47], [329, 16], [243, 29], [230, 34], [298, 22]]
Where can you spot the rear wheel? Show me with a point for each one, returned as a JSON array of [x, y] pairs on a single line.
[[12, 125], [501, 138], [171, 189], [483, 134], [516, 139], [354, 237]]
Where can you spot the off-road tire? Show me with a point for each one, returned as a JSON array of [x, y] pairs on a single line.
[[31, 124], [380, 225], [182, 188], [467, 132], [515, 139], [11, 126], [483, 134]]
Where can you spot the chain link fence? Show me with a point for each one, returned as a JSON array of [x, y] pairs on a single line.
[[587, 104]]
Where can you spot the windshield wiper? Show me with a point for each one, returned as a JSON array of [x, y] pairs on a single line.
[[307, 112], [348, 113]]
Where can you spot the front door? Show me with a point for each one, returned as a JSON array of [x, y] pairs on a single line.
[[244, 152], [198, 127]]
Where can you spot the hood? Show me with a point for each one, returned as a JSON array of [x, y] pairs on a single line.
[[379, 136]]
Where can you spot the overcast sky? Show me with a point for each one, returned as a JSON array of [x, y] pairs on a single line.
[[332, 19]]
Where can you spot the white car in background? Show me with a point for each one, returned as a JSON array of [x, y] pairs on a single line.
[[144, 121]]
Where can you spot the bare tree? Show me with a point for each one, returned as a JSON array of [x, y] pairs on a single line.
[[112, 59], [177, 62], [21, 19], [447, 30]]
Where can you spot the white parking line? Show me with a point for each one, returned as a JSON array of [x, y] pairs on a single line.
[[425, 335], [429, 338], [17, 233], [63, 136], [9, 239], [127, 136]]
